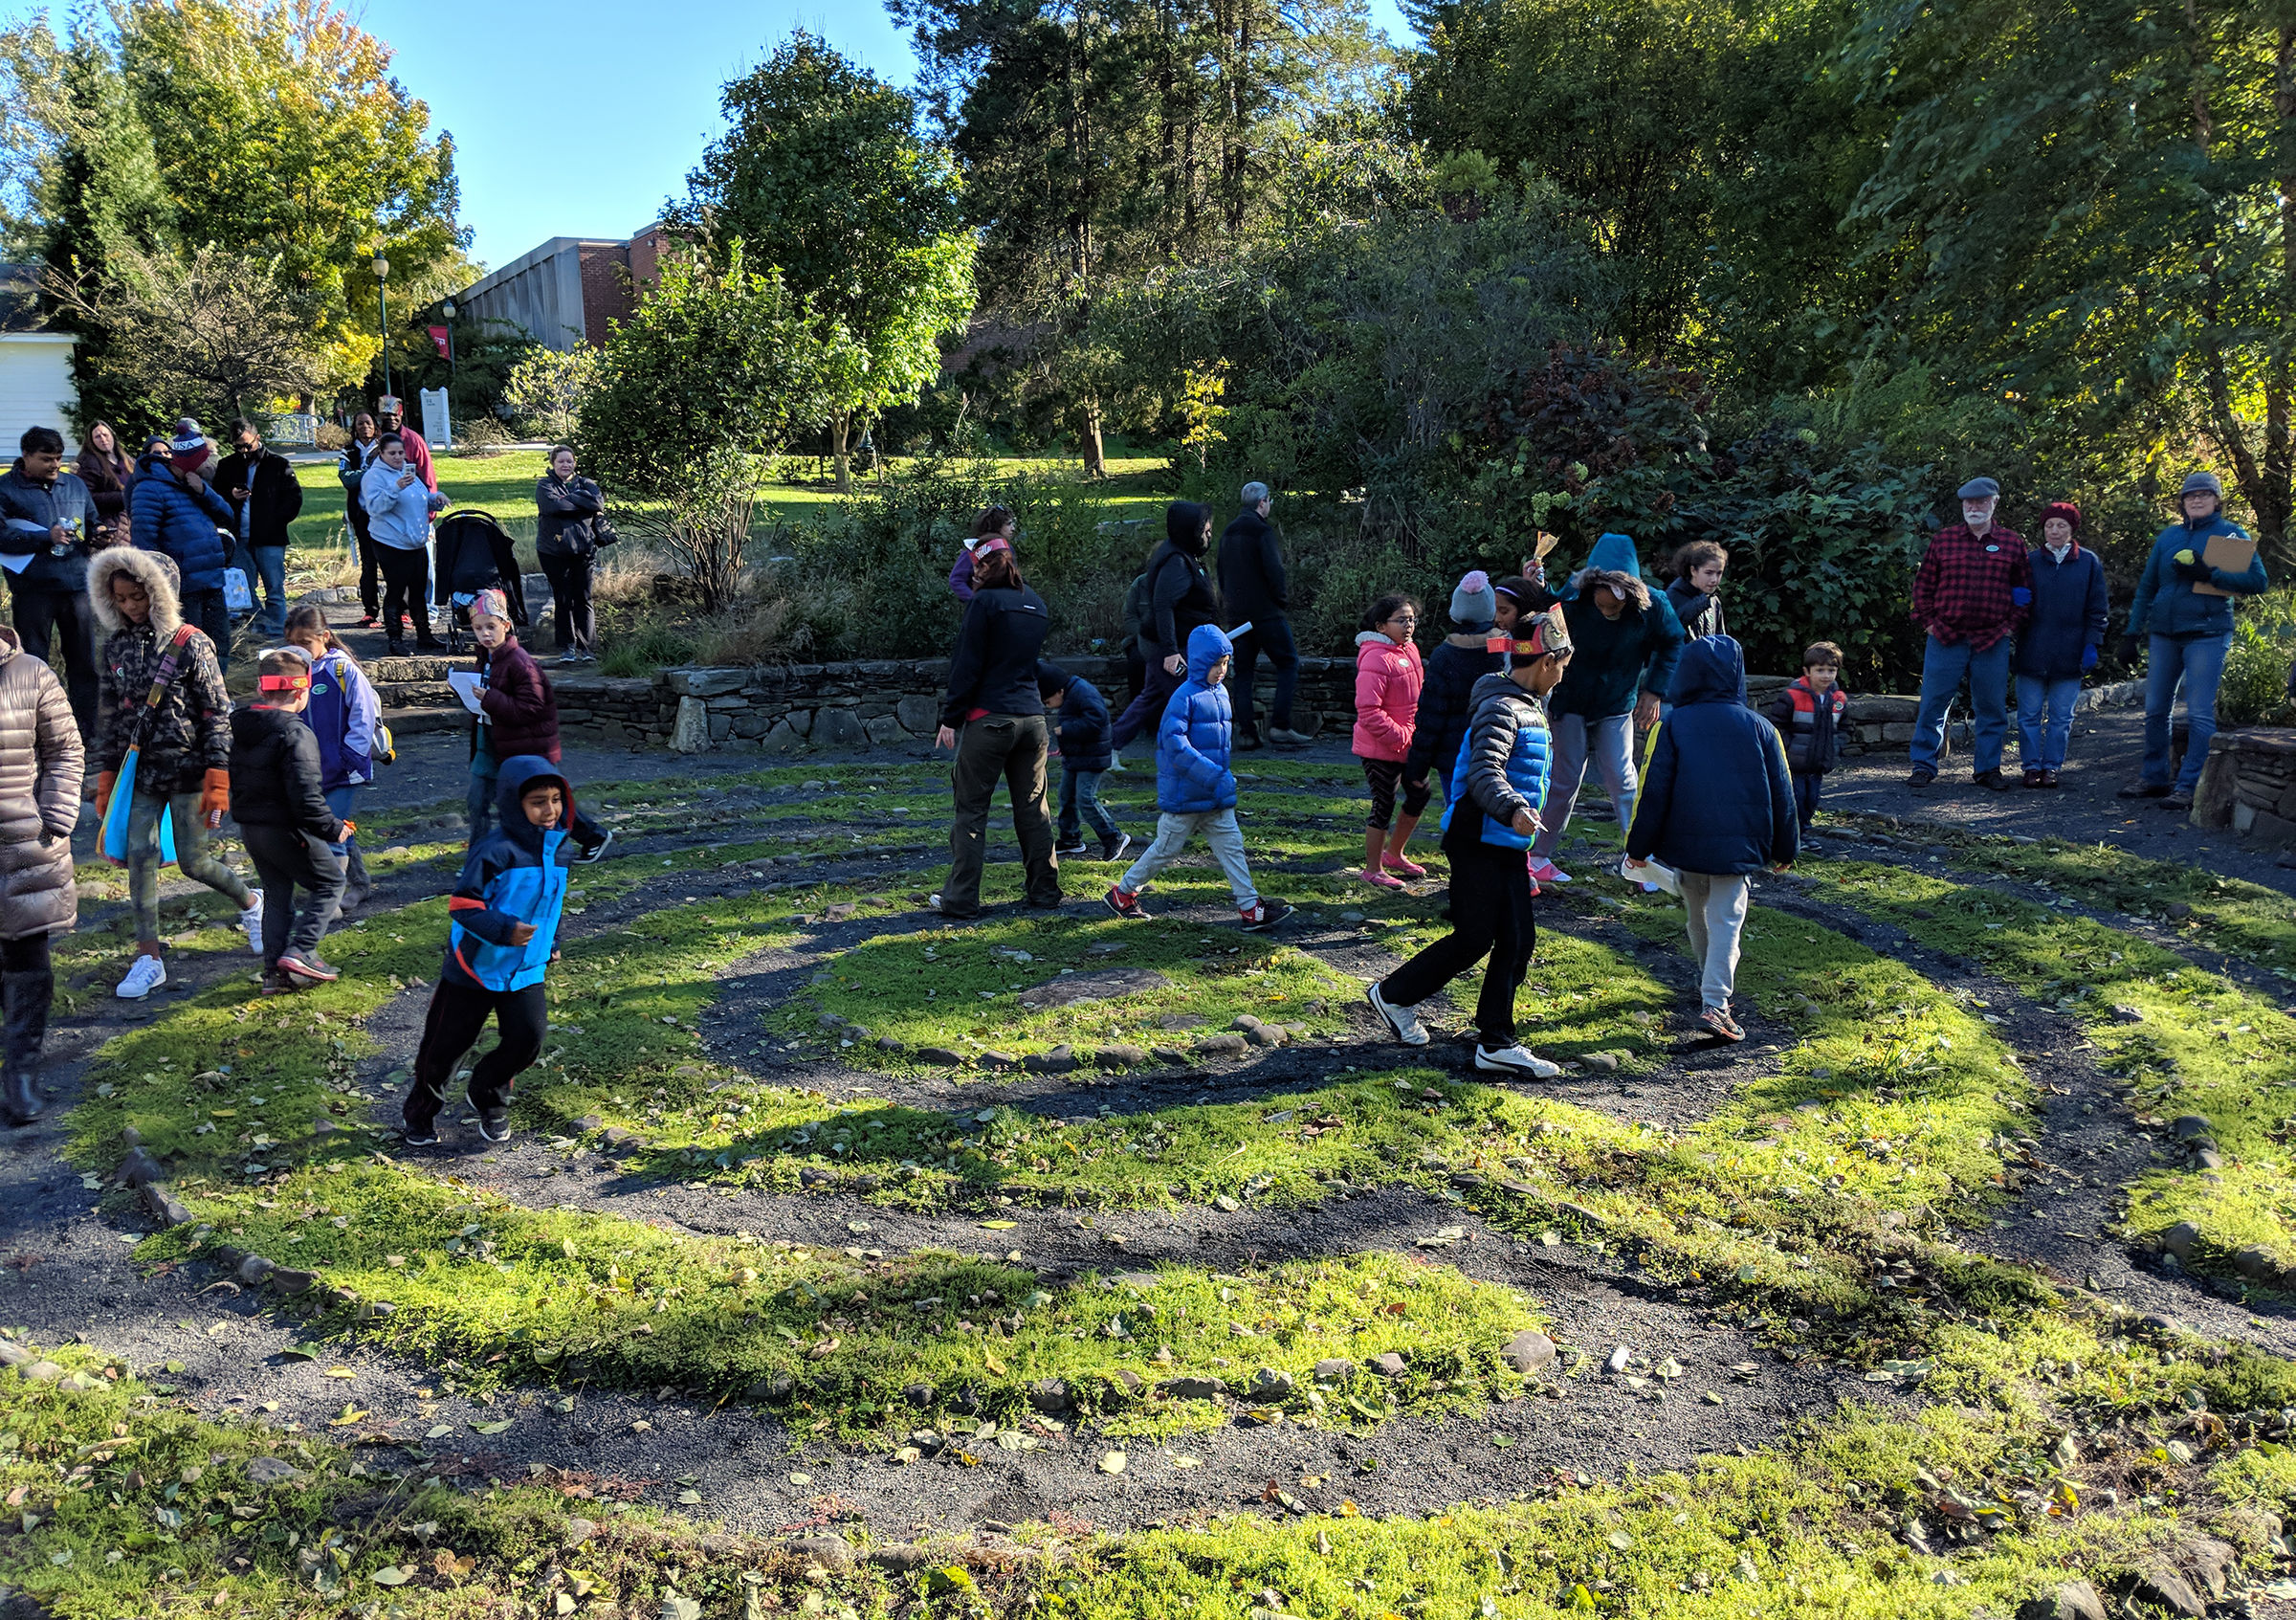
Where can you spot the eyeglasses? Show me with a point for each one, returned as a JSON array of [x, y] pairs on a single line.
[[1404, 619]]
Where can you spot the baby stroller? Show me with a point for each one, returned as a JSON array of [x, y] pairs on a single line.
[[474, 554]]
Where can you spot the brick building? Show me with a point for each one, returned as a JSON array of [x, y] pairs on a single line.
[[570, 290]]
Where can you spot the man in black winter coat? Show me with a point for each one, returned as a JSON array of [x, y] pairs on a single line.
[[1255, 589], [260, 484]]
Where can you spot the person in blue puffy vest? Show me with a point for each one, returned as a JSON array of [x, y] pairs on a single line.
[[1499, 785], [502, 937], [1195, 790]]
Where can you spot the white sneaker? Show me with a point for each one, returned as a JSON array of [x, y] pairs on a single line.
[[251, 922], [144, 975], [1515, 1060], [1403, 1020]]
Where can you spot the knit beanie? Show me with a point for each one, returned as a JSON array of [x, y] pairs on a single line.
[[491, 603], [1473, 604], [187, 447], [2065, 509]]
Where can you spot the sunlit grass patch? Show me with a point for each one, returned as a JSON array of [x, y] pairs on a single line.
[[564, 1296], [2188, 1041]]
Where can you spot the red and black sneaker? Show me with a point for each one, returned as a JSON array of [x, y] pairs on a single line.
[[308, 969], [1124, 905]]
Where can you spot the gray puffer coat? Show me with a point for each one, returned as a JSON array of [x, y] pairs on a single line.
[[40, 764]]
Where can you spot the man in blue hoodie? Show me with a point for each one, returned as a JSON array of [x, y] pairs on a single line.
[[1717, 806], [1626, 640], [1196, 790], [502, 937]]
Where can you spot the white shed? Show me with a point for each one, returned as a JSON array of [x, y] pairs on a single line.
[[36, 387]]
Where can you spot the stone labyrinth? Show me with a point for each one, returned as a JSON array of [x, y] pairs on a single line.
[[846, 1263]]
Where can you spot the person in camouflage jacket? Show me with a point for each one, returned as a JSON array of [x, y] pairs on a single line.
[[183, 767]]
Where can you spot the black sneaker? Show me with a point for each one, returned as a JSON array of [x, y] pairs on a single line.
[[1267, 914], [495, 1126], [1074, 847], [2179, 800], [419, 1136], [1921, 777], [1996, 779], [276, 982], [1115, 851], [2145, 790], [1249, 742]]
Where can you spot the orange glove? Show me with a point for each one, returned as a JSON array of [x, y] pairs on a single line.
[[102, 796], [215, 797]]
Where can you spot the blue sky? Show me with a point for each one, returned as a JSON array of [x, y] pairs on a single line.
[[578, 119]]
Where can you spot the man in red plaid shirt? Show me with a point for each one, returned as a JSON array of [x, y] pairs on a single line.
[[1972, 593]]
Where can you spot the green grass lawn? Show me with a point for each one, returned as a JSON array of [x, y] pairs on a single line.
[[1816, 1202]]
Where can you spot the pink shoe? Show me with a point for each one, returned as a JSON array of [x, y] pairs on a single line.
[[1408, 868], [1380, 880], [1547, 872]]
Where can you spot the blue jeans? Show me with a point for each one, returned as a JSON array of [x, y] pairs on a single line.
[[2201, 662], [1943, 664], [1807, 785], [2045, 719], [1271, 635], [1080, 796], [479, 804], [271, 576], [340, 800]]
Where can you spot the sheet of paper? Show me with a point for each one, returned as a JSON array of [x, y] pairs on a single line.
[[468, 684]]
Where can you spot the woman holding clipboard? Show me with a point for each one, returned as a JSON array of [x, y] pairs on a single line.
[[2184, 604]]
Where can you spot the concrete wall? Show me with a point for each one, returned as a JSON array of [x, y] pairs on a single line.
[[540, 291]]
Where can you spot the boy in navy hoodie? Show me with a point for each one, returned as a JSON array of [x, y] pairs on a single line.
[[1195, 790], [501, 936], [1717, 806], [1085, 757]]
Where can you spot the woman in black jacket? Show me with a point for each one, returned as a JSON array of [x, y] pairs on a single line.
[[567, 539], [105, 469], [993, 696], [1180, 597]]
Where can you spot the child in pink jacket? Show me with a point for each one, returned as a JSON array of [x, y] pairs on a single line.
[[1387, 681]]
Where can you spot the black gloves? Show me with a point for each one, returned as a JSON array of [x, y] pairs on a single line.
[[2194, 572], [2128, 649]]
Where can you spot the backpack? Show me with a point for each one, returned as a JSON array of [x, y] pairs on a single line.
[[1137, 599]]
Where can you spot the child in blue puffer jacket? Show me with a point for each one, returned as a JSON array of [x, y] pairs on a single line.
[[1195, 790], [501, 936], [1499, 785]]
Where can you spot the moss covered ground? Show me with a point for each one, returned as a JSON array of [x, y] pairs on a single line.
[[1997, 1431]]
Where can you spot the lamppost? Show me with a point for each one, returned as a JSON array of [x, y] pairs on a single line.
[[447, 310], [383, 315]]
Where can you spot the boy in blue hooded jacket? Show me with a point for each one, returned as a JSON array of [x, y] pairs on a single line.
[[1195, 790], [501, 936]]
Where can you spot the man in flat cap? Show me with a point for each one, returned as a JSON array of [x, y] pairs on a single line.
[[1973, 591]]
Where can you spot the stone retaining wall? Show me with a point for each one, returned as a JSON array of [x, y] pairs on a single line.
[[2249, 785], [892, 703]]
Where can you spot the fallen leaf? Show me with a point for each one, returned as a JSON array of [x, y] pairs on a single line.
[[340, 1372], [391, 1575], [801, 1479], [1113, 1463], [439, 1431], [494, 1427], [998, 1226], [993, 1365]]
